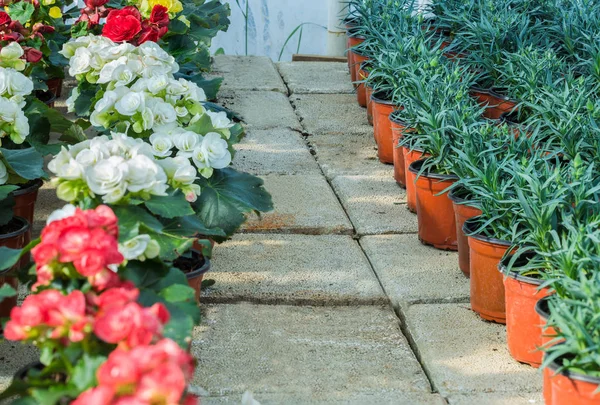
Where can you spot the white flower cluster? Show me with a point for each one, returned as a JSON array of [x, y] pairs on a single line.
[[97, 59], [117, 169], [14, 86], [149, 104], [207, 152]]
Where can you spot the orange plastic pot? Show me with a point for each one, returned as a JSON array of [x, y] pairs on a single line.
[[462, 212], [523, 326], [55, 86], [361, 90], [572, 388], [487, 285], [382, 127], [548, 334], [411, 156], [353, 41], [399, 128], [435, 213], [369, 93], [496, 104], [14, 238]]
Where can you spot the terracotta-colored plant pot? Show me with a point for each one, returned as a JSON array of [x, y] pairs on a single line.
[[411, 156], [572, 388], [382, 127], [435, 213], [462, 212], [369, 93], [487, 284], [14, 239], [25, 199], [496, 104], [399, 128], [361, 90], [196, 275], [548, 334], [55, 86], [353, 41], [523, 327]]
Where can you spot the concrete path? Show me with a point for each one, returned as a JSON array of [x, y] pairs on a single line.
[[331, 299]]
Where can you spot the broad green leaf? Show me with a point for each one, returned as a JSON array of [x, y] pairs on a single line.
[[27, 163], [21, 11], [171, 246], [178, 293], [171, 206], [227, 196], [6, 291], [9, 257], [84, 372], [130, 217]]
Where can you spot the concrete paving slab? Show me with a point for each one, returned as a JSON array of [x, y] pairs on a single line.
[[379, 398], [347, 155], [464, 354], [316, 77], [46, 203], [331, 114], [13, 356], [261, 109], [274, 151], [293, 269], [303, 204], [247, 73], [413, 273], [495, 399], [304, 350], [375, 204]]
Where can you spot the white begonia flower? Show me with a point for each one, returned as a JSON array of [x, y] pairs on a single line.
[[12, 51], [219, 120], [70, 102], [213, 153], [164, 113], [3, 173], [122, 76], [15, 83], [107, 102], [186, 142], [158, 83], [195, 92], [145, 175], [140, 85], [147, 119], [181, 111], [106, 73], [71, 46], [131, 103], [80, 63], [14, 121], [107, 178], [61, 213], [139, 247], [162, 144]]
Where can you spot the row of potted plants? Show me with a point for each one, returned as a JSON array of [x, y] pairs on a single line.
[[144, 170], [488, 112]]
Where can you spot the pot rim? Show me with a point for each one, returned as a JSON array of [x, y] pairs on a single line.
[[415, 168], [467, 229], [459, 200], [201, 270], [398, 121], [541, 307], [574, 376], [493, 93], [515, 275], [376, 98], [36, 185], [50, 100], [24, 228]]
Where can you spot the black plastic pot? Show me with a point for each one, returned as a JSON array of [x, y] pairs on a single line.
[[196, 275]]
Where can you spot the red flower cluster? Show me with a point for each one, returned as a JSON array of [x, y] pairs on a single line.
[[87, 241], [144, 375], [58, 316], [13, 31], [93, 11], [121, 320], [113, 316], [126, 25]]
